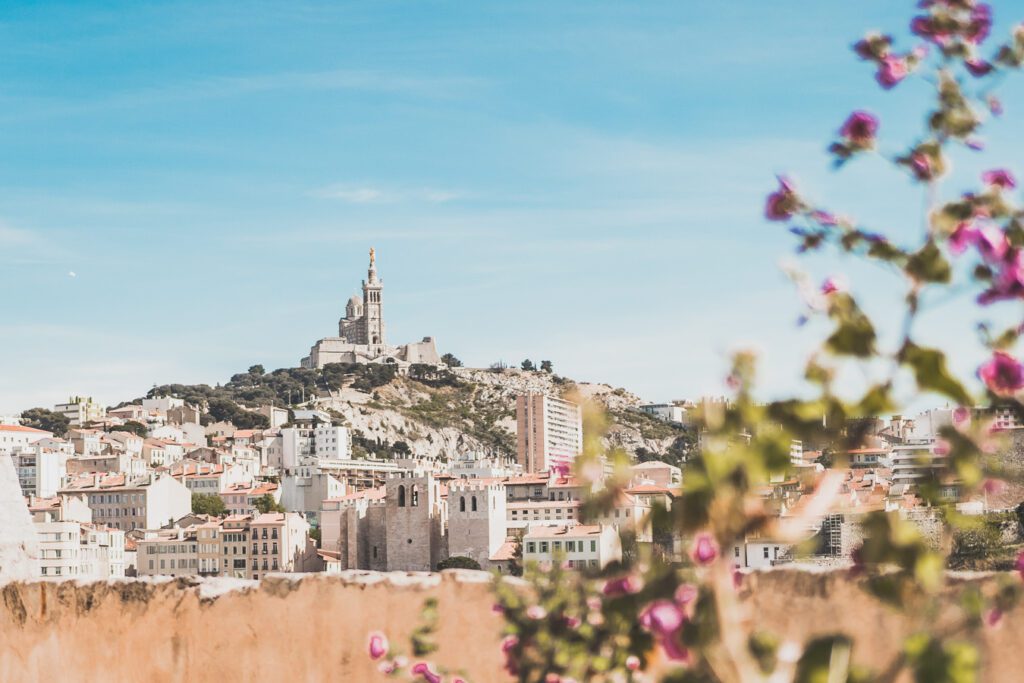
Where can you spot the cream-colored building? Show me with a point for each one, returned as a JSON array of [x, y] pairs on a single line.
[[126, 503], [168, 552], [70, 547], [280, 543], [81, 410], [361, 334], [579, 546], [549, 432]]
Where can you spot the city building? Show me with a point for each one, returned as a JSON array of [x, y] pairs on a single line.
[[549, 432], [80, 411], [280, 543], [126, 503], [16, 437], [579, 546]]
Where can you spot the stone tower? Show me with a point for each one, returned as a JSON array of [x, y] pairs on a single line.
[[414, 515], [476, 519], [373, 317]]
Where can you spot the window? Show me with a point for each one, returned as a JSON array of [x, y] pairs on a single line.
[[543, 546], [556, 545], [593, 546], [766, 552], [401, 496], [474, 503], [736, 551], [531, 547], [375, 552], [462, 504], [416, 496]]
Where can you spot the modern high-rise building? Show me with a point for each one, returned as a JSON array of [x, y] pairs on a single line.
[[549, 432]]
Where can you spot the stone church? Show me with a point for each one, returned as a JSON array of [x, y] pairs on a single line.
[[361, 333]]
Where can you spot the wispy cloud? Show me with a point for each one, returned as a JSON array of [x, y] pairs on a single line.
[[15, 237], [228, 86], [367, 194]]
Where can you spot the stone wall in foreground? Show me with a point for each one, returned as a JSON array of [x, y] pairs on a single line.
[[315, 628]]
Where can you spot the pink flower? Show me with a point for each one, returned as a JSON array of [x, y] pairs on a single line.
[[664, 620], [508, 645], [497, 609], [705, 549], [977, 67], [1019, 565], [860, 127], [624, 585], [536, 612], [981, 23], [961, 416], [1009, 280], [424, 670], [921, 165], [1003, 375], [961, 238], [686, 594], [782, 204], [991, 243], [941, 447], [995, 105], [378, 645], [999, 177], [977, 144], [737, 577], [891, 70], [824, 217], [632, 663], [832, 285], [993, 617], [661, 617]]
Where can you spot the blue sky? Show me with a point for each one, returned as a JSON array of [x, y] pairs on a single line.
[[581, 182]]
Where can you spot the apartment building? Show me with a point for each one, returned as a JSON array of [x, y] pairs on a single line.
[[80, 410], [578, 546], [549, 432], [126, 503], [16, 437]]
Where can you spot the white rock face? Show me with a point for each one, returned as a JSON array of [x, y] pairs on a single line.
[[19, 547]]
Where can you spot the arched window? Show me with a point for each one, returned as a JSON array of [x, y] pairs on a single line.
[[462, 504], [401, 497], [474, 503], [415, 496]]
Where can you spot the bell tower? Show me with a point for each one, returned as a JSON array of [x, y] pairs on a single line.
[[373, 318]]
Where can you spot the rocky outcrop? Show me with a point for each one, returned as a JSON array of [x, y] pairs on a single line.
[[479, 414]]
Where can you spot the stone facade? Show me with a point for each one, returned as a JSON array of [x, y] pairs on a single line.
[[476, 520], [361, 333]]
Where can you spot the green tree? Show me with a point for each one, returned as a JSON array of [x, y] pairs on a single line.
[[547, 366], [257, 370], [207, 504], [451, 361], [528, 365], [266, 503], [41, 418], [458, 562], [401, 448], [136, 428]]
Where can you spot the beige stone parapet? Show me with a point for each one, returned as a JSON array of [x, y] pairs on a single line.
[[313, 628]]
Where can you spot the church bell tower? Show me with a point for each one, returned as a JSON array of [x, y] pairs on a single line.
[[373, 317]]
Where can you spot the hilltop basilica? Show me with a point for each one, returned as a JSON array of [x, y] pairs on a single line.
[[361, 333]]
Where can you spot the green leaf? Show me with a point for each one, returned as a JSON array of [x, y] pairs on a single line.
[[931, 373], [854, 337], [929, 265], [825, 660]]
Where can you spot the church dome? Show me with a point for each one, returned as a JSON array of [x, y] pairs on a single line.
[[355, 301]]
